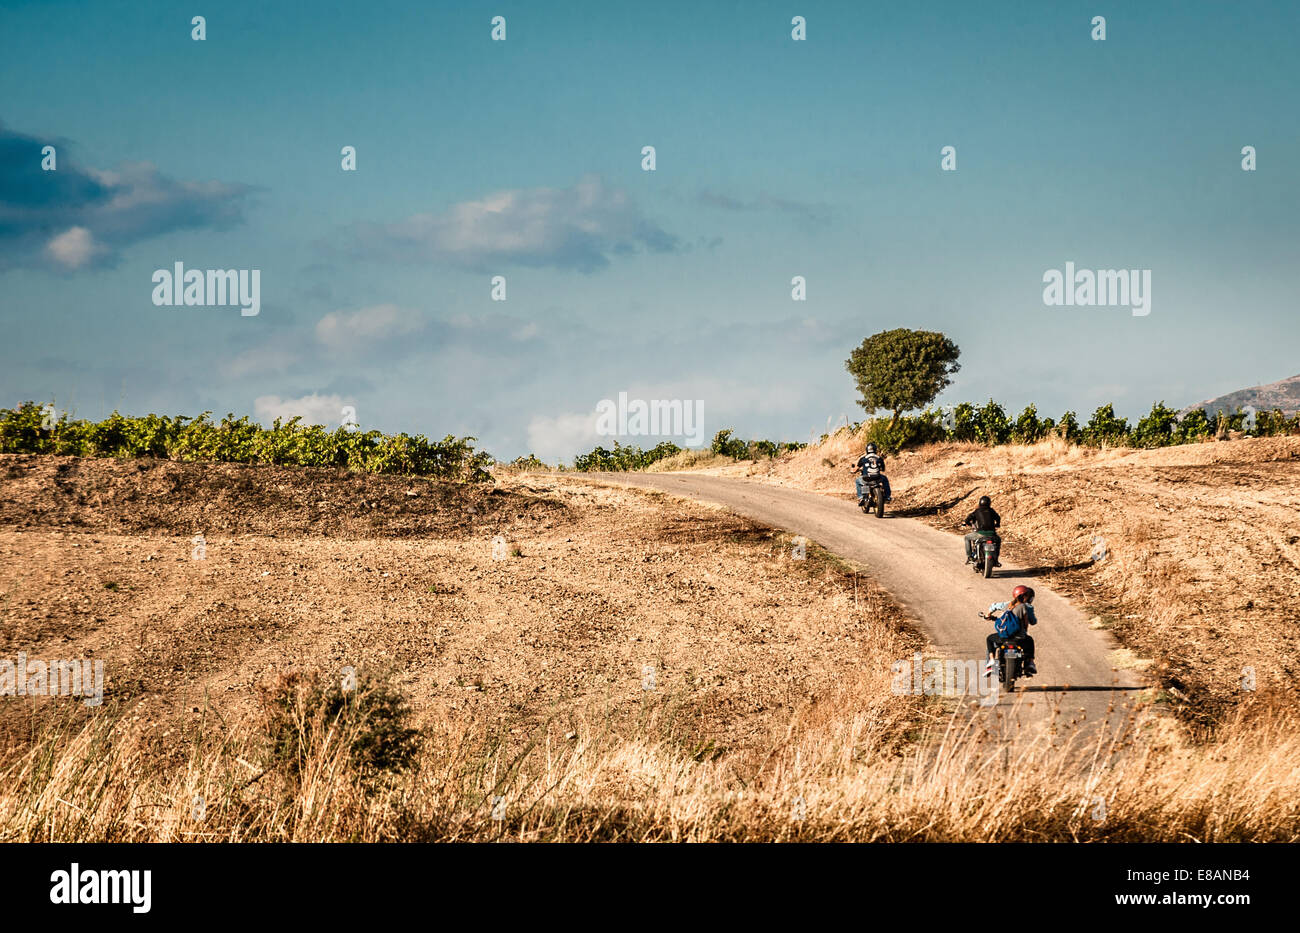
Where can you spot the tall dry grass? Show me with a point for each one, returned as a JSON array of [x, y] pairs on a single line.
[[827, 778], [689, 459]]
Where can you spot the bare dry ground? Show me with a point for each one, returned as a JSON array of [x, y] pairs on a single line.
[[525, 623], [537, 601], [1202, 569]]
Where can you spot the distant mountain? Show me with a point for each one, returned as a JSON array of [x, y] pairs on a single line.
[[1284, 394]]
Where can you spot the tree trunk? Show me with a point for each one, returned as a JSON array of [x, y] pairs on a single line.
[[893, 422]]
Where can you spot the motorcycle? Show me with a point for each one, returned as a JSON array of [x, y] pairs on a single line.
[[874, 500], [1010, 658], [986, 555]]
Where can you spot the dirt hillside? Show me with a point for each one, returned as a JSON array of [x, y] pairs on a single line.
[[537, 600], [1201, 543]]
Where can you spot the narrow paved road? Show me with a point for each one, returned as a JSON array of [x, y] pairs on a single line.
[[923, 568]]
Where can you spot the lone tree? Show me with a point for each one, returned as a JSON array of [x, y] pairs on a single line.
[[899, 370]]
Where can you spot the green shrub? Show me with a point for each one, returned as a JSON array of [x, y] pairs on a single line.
[[529, 462], [634, 458], [727, 446], [622, 459], [925, 428], [965, 426], [240, 440], [991, 424], [1273, 423], [1068, 428], [1105, 428], [1157, 428], [1192, 427], [1028, 429]]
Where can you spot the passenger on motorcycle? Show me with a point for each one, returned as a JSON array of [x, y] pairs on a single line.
[[871, 468], [1021, 607], [985, 521]]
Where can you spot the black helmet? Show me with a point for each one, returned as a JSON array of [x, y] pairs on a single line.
[[871, 448], [985, 502]]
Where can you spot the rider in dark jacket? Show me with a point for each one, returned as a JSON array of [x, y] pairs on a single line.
[[985, 521], [871, 466]]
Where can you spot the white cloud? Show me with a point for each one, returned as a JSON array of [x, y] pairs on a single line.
[[569, 228], [559, 438], [73, 248], [324, 410], [343, 330]]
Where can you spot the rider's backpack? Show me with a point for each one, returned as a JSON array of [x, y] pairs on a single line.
[[1007, 625]]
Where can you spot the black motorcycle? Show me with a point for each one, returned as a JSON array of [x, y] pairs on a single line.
[[986, 555], [1011, 660], [874, 500]]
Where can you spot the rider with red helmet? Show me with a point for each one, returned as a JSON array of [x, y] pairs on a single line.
[[1021, 606]]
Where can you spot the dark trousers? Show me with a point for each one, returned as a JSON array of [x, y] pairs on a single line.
[[861, 483], [976, 536], [1024, 641]]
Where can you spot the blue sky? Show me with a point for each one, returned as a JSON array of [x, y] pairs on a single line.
[[522, 158]]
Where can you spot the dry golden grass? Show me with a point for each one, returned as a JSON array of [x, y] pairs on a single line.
[[688, 460], [853, 762], [831, 777]]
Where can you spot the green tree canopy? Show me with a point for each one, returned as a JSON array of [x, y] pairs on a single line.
[[901, 370]]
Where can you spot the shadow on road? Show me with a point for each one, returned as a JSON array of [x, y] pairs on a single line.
[[1045, 570], [1073, 688], [923, 510]]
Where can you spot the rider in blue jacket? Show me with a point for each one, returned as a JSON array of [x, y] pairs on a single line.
[[1021, 606]]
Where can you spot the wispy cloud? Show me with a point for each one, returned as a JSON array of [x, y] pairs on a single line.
[[580, 228], [76, 218], [813, 213], [347, 330]]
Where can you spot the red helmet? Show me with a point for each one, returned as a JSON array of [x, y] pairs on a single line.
[[1027, 592]]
